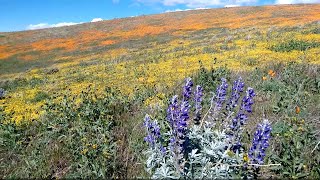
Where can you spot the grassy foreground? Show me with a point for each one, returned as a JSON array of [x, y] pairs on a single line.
[[102, 136]]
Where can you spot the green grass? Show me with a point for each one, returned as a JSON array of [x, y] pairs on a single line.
[[55, 147], [294, 45]]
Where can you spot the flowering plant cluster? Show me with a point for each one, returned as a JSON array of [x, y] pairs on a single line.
[[206, 145], [2, 93]]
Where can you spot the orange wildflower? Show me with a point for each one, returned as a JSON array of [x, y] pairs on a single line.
[[298, 109], [270, 72]]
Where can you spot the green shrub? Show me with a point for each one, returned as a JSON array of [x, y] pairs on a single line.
[[40, 96], [294, 45], [312, 31], [250, 62], [294, 148], [209, 78]]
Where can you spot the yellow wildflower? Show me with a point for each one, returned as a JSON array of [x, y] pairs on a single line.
[[106, 154], [84, 151], [94, 146], [300, 129], [245, 157]]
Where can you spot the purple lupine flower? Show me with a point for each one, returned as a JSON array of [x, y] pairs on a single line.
[[241, 118], [153, 131], [260, 142], [183, 117], [173, 111], [238, 121], [172, 143], [181, 124], [237, 89], [163, 150], [177, 117], [221, 94], [246, 106], [198, 99], [187, 89], [247, 101]]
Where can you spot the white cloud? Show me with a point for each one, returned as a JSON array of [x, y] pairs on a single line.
[[296, 1], [38, 26], [177, 10], [231, 5], [199, 3], [46, 25], [199, 8], [96, 19]]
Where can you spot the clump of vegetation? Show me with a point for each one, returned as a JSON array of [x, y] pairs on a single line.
[[296, 148], [40, 96], [210, 78], [294, 45], [2, 93], [291, 93], [211, 145], [52, 71], [312, 31], [76, 138]]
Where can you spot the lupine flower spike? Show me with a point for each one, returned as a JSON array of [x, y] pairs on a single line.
[[237, 89], [187, 89], [217, 100], [241, 118], [221, 94], [178, 116], [246, 104], [184, 112], [260, 143], [153, 131], [173, 111]]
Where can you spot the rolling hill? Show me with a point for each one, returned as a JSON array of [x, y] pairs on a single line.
[[73, 99], [149, 50]]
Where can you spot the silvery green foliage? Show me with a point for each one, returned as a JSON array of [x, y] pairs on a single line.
[[213, 159], [210, 157]]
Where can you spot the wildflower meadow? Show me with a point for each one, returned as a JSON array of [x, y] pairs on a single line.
[[228, 93]]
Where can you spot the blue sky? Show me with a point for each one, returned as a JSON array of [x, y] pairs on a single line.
[[16, 15]]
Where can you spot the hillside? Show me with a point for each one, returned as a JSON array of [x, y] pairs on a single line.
[[143, 32], [149, 50], [73, 99]]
